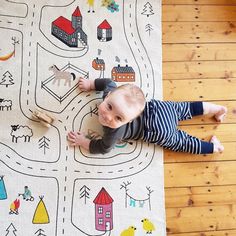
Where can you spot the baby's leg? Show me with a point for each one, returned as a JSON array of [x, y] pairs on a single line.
[[183, 142], [218, 147], [218, 111]]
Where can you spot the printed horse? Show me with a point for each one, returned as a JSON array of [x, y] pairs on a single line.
[[59, 75]]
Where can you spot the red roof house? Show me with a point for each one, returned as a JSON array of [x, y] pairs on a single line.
[[103, 211]]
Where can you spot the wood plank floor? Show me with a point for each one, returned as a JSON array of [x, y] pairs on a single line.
[[199, 63]]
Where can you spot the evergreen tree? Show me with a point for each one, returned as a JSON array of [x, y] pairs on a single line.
[[7, 79], [147, 10], [11, 230]]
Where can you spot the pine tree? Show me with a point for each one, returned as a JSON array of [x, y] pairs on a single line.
[[43, 143], [147, 10], [84, 193], [11, 230], [7, 79]]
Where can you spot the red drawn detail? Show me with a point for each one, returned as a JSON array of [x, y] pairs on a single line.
[[103, 198], [65, 24], [104, 25]]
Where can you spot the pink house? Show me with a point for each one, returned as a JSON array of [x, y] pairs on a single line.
[[103, 211]]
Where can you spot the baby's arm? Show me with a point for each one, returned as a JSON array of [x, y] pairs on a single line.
[[78, 139], [86, 85]]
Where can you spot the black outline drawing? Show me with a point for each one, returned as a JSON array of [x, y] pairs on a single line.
[[133, 199]]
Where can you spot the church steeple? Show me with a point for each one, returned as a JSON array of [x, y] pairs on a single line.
[[76, 18]]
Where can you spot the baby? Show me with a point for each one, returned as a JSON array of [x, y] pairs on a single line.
[[125, 115]]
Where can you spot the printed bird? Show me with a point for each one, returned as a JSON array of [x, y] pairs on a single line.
[[148, 226], [128, 232]]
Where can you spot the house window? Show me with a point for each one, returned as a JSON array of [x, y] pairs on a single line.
[[100, 221], [100, 210], [108, 214]]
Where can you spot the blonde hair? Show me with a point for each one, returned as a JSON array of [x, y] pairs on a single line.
[[133, 95]]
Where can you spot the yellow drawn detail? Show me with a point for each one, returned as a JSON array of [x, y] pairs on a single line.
[[91, 3], [6, 57], [41, 215]]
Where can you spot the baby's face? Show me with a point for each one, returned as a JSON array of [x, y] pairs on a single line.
[[115, 111]]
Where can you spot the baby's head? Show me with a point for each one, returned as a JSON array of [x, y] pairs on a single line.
[[121, 106]]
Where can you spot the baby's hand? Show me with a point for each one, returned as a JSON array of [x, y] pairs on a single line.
[[84, 84], [76, 138]]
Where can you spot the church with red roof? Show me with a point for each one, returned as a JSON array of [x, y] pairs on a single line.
[[103, 211], [70, 32]]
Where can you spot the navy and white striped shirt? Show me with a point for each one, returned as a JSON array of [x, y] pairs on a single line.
[[157, 124]]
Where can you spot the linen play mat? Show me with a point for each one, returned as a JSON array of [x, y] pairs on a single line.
[[46, 186]]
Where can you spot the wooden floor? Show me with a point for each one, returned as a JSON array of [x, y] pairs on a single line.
[[199, 63]]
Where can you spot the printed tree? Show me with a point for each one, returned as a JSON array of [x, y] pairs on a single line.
[[11, 230], [40, 233], [147, 10], [41, 215], [148, 28], [43, 143], [3, 192], [84, 193], [7, 79]]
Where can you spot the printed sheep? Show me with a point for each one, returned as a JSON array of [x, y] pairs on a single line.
[[19, 131], [5, 104]]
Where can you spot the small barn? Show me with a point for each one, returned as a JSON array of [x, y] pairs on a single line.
[[70, 32], [104, 31], [103, 211], [123, 74]]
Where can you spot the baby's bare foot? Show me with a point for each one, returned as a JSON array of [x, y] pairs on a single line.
[[218, 147], [220, 113]]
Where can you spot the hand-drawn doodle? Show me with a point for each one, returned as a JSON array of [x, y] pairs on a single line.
[[70, 32], [44, 144], [48, 85], [147, 10], [21, 131], [3, 192], [128, 232], [5, 104], [27, 194], [15, 41], [8, 56], [84, 193], [104, 32], [62, 75], [111, 5], [7, 79], [123, 73], [148, 28], [40, 232], [41, 214], [11, 230], [148, 226], [14, 207], [103, 211], [135, 202], [99, 64], [91, 5]]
